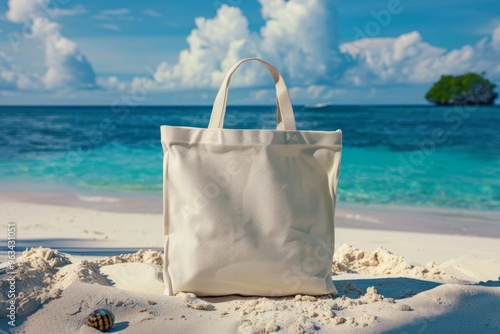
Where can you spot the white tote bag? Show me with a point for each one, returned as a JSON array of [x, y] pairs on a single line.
[[249, 212]]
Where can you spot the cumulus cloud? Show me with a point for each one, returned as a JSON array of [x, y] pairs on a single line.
[[408, 59], [7, 75], [13, 79], [297, 37], [21, 11], [112, 83], [300, 36], [67, 67], [210, 48]]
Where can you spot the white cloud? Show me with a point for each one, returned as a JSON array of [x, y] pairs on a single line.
[[12, 79], [25, 10], [210, 48], [262, 94], [7, 75], [115, 14], [315, 93], [299, 37], [67, 67], [388, 60], [408, 59], [296, 38], [112, 83], [487, 27], [152, 13]]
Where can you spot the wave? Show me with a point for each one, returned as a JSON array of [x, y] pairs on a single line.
[[99, 199]]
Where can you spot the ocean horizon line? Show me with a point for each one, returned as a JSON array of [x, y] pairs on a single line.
[[320, 105]]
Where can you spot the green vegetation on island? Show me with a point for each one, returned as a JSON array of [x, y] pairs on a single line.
[[467, 89]]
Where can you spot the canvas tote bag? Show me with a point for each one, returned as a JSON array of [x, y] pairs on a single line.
[[249, 212]]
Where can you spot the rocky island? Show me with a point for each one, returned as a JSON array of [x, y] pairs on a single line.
[[467, 89]]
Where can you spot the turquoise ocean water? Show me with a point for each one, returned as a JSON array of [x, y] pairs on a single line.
[[398, 155]]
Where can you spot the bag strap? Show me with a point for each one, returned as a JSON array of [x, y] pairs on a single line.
[[285, 119]]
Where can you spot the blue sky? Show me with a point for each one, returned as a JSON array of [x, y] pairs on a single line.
[[165, 52]]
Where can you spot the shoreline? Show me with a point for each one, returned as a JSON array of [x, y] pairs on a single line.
[[388, 217], [92, 233]]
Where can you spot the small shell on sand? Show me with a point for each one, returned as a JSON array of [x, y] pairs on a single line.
[[101, 319]]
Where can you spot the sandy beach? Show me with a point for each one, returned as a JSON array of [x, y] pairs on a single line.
[[139, 163], [71, 261]]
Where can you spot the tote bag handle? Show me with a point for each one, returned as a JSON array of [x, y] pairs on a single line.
[[285, 118]]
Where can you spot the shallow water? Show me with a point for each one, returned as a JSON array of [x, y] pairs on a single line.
[[397, 155]]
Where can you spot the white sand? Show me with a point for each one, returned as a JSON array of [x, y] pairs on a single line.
[[387, 281]]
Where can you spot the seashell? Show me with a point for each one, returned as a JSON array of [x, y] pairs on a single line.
[[101, 319]]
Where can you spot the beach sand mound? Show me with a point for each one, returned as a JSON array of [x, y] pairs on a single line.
[[381, 262], [43, 273], [141, 256], [130, 287]]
